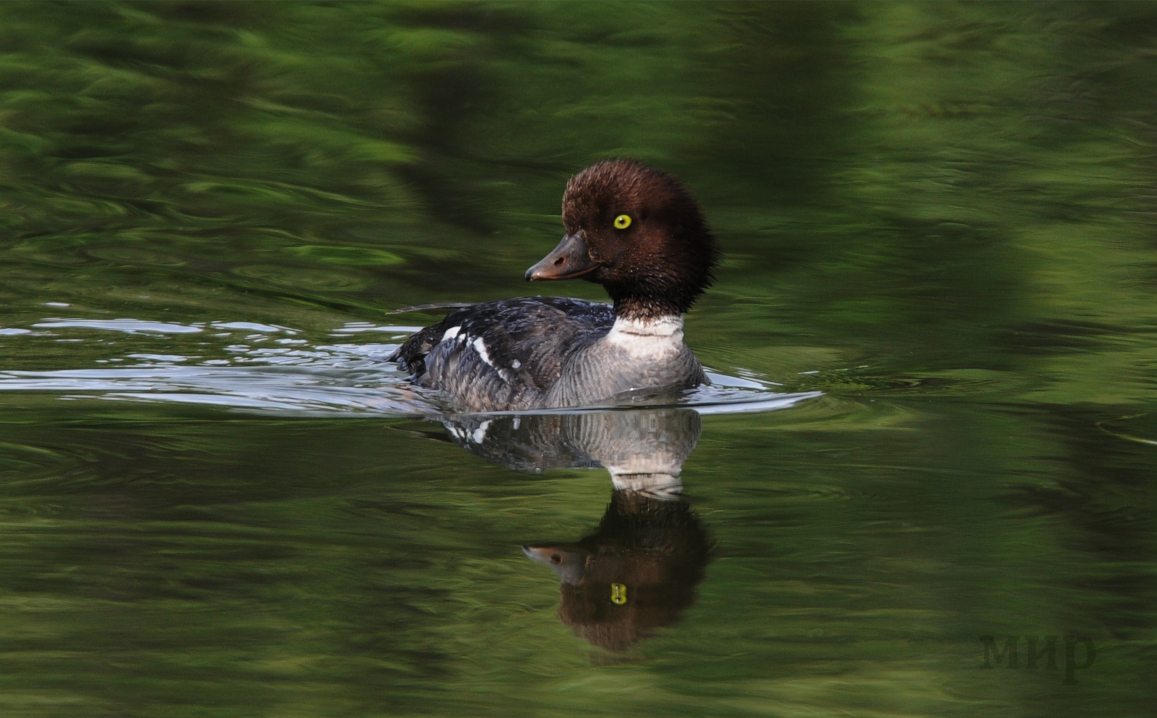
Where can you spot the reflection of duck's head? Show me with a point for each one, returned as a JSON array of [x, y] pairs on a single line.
[[639, 570], [636, 573]]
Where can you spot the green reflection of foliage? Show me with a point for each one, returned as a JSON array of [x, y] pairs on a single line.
[[357, 256], [898, 177]]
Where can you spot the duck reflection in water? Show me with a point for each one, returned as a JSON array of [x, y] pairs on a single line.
[[639, 569]]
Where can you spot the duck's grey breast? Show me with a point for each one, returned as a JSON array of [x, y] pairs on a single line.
[[605, 371]]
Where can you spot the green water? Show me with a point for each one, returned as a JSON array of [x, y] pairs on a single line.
[[217, 500]]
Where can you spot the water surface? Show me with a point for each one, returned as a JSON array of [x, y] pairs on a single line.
[[933, 337]]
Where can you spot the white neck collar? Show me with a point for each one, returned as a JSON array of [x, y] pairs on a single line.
[[666, 326]]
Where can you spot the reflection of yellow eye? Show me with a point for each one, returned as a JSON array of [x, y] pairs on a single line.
[[618, 590], [622, 221]]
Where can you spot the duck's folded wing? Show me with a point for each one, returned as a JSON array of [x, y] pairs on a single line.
[[503, 353]]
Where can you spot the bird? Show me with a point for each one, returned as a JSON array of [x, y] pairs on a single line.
[[635, 230]]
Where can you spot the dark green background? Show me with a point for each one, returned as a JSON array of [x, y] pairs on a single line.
[[943, 213]]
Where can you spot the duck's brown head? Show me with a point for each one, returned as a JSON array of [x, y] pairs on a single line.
[[638, 232]]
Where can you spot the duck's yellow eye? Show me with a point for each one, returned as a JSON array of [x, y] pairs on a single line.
[[622, 221]]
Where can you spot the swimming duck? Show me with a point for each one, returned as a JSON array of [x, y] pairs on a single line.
[[631, 228]]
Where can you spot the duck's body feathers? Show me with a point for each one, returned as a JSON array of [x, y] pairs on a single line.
[[505, 354], [547, 352]]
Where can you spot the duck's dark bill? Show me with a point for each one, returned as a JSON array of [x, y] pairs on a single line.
[[568, 260]]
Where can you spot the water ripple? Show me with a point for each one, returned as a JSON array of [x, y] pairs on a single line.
[[293, 376]]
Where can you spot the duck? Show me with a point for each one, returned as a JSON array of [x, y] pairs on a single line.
[[635, 230]]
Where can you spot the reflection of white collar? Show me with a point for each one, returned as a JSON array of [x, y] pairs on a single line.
[[665, 487]]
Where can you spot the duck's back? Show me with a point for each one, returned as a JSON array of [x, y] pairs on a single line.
[[503, 355]]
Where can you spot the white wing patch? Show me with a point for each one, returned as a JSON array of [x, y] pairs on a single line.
[[451, 333], [480, 347]]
